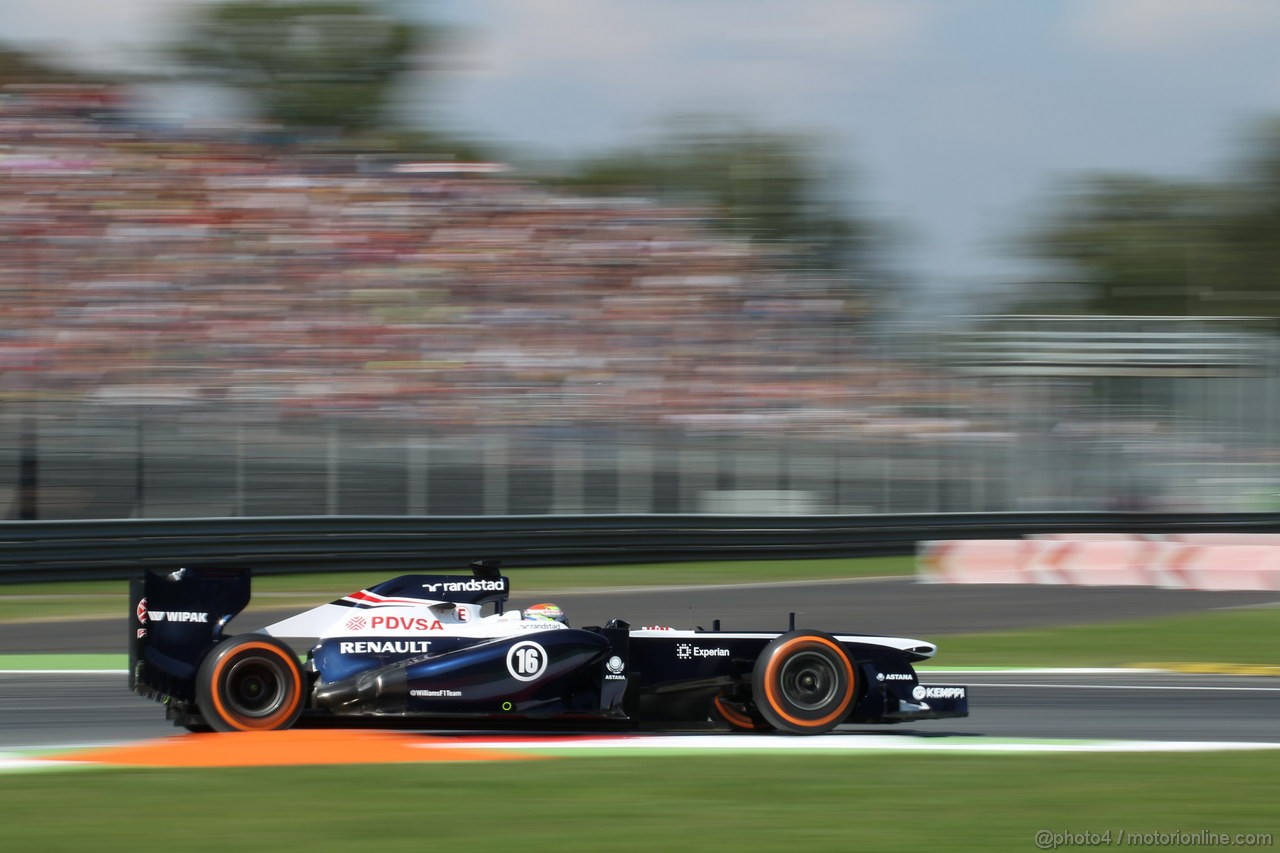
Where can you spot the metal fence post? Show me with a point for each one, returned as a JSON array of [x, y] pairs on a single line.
[[417, 451], [333, 461], [496, 487], [566, 485]]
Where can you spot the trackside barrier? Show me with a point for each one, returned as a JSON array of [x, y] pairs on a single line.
[[118, 548], [1194, 538], [1105, 561], [1248, 567], [977, 561]]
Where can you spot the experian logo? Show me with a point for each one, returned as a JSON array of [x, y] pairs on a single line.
[[687, 651]]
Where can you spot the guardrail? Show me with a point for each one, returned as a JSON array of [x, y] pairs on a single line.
[[112, 549]]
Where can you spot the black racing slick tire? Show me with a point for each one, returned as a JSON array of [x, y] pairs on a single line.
[[739, 716], [804, 683], [250, 683]]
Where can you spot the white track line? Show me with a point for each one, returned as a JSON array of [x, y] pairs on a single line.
[[854, 743], [64, 672], [926, 670]]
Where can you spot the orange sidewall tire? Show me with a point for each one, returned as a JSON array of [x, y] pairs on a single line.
[[212, 685], [767, 683]]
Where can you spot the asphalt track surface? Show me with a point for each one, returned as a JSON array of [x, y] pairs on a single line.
[[96, 708], [39, 709]]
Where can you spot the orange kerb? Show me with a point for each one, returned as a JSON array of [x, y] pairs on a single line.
[[289, 748]]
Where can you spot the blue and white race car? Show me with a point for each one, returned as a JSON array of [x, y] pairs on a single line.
[[443, 650]]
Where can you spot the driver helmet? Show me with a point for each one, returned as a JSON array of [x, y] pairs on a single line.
[[544, 613]]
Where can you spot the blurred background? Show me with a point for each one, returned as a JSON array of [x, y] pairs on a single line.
[[296, 258]]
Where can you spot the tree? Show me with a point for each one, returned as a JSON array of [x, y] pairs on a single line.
[[1251, 228], [1130, 245], [307, 65], [1138, 245], [20, 66], [768, 186]]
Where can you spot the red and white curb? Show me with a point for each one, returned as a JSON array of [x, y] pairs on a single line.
[[1215, 562]]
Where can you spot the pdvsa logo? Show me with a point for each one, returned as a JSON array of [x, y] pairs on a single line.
[[393, 623]]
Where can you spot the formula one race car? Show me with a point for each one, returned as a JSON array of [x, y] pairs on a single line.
[[439, 650]]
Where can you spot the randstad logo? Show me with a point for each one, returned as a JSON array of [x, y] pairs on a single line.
[[473, 585]]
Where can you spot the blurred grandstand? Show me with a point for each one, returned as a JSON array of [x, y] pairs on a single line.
[[203, 325]]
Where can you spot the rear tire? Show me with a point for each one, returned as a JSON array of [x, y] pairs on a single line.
[[804, 683], [250, 683]]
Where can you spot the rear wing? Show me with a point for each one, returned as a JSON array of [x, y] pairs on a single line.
[[174, 619]]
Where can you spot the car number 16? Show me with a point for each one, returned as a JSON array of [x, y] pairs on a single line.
[[526, 660]]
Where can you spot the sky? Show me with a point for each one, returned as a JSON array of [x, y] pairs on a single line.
[[953, 120]]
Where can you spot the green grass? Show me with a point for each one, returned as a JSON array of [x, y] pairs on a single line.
[[108, 598], [97, 607], [1246, 636], [90, 660], [740, 802]]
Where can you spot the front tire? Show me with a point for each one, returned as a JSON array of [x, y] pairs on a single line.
[[804, 683], [250, 683]]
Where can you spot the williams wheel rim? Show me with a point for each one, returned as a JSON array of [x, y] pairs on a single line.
[[809, 682], [255, 687]]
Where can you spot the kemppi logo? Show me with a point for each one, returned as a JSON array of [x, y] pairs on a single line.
[[142, 611], [920, 692]]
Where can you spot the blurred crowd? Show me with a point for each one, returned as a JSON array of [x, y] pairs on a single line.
[[149, 274], [141, 266]]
